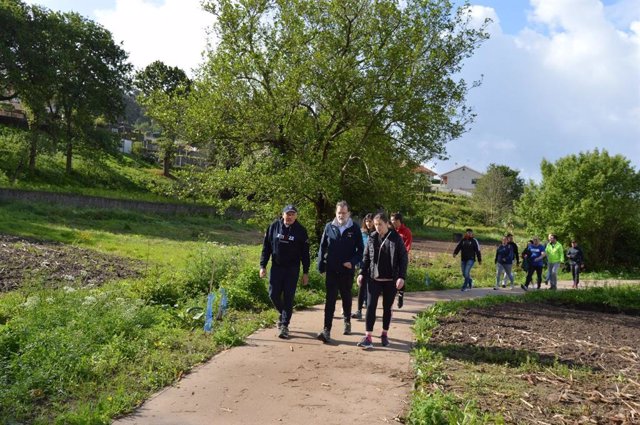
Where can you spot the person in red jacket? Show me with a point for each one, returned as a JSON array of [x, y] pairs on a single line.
[[407, 238]]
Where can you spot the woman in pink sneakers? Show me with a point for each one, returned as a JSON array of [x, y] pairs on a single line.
[[385, 263]]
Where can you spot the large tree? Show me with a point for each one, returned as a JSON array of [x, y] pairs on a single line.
[[92, 77], [163, 93], [327, 99], [592, 196], [497, 191], [25, 72]]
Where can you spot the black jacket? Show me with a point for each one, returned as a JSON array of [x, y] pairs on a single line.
[[469, 249], [575, 255], [514, 247], [337, 249], [397, 250], [286, 246]]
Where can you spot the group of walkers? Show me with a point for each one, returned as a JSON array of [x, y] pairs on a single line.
[[378, 251], [534, 257]]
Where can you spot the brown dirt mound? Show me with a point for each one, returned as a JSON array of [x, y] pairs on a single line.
[[601, 383], [54, 264]]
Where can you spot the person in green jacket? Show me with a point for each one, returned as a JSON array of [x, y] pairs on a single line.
[[555, 257]]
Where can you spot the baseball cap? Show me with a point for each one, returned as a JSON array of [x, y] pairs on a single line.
[[289, 208]]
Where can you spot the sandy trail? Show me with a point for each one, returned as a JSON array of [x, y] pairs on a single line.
[[301, 380]]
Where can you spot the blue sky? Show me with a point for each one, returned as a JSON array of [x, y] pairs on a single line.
[[558, 76]]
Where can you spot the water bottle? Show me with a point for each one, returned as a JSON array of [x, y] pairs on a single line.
[[427, 281]]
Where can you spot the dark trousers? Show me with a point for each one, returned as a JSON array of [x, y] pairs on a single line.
[[337, 283], [575, 272], [283, 282], [388, 291], [363, 292], [534, 267]]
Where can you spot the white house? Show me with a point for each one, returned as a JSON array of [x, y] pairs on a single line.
[[462, 178], [126, 145]]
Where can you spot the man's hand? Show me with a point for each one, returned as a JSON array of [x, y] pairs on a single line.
[[348, 265], [359, 280], [263, 272], [399, 283], [305, 279]]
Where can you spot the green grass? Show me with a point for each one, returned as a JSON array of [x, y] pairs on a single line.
[[74, 355], [111, 176], [155, 237], [490, 372]]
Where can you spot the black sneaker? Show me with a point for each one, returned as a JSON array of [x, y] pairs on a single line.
[[504, 285], [400, 299], [524, 288], [357, 315], [384, 340], [365, 343], [347, 328], [284, 332], [324, 336]]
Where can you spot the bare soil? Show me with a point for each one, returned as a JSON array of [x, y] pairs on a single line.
[[601, 381], [301, 380], [54, 264]]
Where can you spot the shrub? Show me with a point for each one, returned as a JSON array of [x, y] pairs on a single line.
[[247, 291]]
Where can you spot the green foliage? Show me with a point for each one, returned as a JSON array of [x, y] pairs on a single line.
[[593, 197], [311, 102], [443, 210], [66, 70], [496, 193], [163, 91], [247, 291], [14, 151]]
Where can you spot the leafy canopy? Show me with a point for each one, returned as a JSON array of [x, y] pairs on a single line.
[[593, 197], [311, 101], [496, 193]]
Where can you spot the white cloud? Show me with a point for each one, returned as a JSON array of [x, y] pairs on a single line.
[[174, 32], [567, 83]]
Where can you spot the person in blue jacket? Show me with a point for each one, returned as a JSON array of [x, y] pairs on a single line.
[[340, 251], [504, 261], [286, 242]]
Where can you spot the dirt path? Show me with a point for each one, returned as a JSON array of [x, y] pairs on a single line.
[[300, 380]]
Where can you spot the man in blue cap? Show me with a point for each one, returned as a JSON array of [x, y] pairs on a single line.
[[286, 242]]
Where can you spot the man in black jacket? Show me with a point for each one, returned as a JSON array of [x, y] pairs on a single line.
[[340, 250], [286, 242], [470, 250]]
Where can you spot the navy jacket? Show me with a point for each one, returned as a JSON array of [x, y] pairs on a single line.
[[504, 254], [337, 249], [397, 250], [286, 246]]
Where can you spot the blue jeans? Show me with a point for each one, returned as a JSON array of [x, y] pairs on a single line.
[[466, 272]]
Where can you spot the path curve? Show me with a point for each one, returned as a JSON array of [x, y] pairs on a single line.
[[301, 380]]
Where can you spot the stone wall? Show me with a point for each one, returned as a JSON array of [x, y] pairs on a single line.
[[9, 195]]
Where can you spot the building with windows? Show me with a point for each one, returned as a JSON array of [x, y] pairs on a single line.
[[460, 179]]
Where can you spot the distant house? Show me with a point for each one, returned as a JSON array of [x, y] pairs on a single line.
[[461, 179], [126, 145], [420, 169]]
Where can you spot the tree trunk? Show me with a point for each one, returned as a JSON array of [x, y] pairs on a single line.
[[166, 165], [321, 205], [33, 151], [69, 152]]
